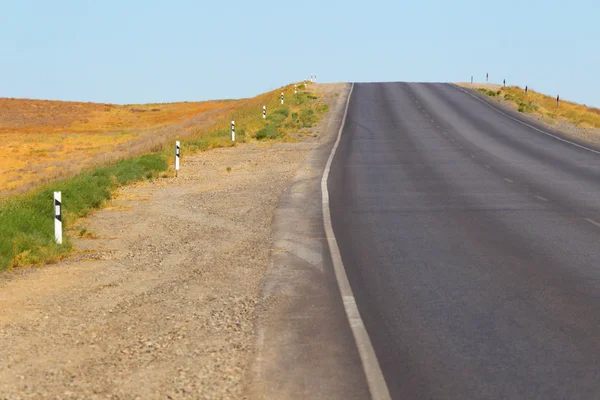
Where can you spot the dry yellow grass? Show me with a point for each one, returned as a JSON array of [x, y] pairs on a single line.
[[42, 140], [545, 106]]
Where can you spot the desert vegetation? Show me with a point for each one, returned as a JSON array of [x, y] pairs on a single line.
[[113, 160], [536, 103]]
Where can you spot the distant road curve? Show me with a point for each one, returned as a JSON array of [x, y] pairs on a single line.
[[472, 245]]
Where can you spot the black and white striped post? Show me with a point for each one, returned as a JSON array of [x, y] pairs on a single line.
[[264, 112], [233, 131], [281, 97], [177, 153], [57, 217]]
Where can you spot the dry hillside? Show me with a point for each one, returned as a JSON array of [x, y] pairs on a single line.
[[41, 140]]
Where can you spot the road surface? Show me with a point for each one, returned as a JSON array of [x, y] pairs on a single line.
[[472, 245]]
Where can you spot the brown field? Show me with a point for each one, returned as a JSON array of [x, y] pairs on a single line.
[[41, 140]]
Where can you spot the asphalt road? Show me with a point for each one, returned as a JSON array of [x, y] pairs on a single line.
[[472, 245]]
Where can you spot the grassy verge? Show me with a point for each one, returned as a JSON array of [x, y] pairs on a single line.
[[26, 221], [539, 104]]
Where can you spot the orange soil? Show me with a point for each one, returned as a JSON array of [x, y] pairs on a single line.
[[42, 140], [47, 116]]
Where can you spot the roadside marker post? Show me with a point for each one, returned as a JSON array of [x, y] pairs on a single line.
[[177, 153], [233, 131], [264, 112], [557, 100], [471, 78], [281, 97], [58, 217], [487, 77], [295, 89], [526, 90]]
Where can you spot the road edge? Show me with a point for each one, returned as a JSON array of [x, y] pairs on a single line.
[[552, 135], [375, 379]]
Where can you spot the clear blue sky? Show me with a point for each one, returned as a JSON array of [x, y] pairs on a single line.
[[133, 51]]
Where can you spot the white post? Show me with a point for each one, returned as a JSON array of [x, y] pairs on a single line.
[[295, 89], [315, 78], [233, 131], [281, 97], [177, 152], [264, 112], [57, 217]]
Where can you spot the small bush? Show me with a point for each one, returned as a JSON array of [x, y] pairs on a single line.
[[322, 108], [268, 132], [308, 117]]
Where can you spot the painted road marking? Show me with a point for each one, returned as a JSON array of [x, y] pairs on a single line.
[[524, 123], [509, 180], [542, 198], [374, 376], [591, 221]]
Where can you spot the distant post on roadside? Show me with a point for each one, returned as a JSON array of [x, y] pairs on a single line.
[[295, 89], [504, 83], [177, 153], [526, 90], [557, 100], [58, 217], [264, 112], [471, 78], [233, 131], [487, 77], [281, 97]]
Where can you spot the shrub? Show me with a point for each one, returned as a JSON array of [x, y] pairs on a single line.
[[268, 132]]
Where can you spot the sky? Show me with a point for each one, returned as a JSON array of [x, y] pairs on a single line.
[[147, 51]]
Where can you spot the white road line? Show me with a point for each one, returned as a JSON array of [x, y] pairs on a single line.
[[375, 379], [591, 221], [488, 166], [509, 180], [542, 198], [525, 123]]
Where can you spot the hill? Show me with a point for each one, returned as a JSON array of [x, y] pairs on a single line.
[[41, 140]]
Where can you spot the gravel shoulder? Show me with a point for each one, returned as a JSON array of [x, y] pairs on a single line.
[[162, 302]]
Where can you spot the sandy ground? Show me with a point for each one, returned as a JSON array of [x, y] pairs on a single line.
[[161, 303]]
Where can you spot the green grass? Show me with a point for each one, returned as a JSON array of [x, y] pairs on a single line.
[[301, 111], [27, 222]]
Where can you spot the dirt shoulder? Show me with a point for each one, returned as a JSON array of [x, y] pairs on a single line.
[[162, 303]]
